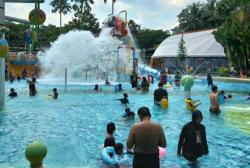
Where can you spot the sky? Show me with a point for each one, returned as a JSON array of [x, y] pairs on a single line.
[[153, 14]]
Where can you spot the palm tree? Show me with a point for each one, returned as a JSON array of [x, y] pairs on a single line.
[[113, 2], [61, 6], [81, 7]]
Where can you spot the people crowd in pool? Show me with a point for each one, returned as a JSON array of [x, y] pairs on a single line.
[[31, 85], [145, 137]]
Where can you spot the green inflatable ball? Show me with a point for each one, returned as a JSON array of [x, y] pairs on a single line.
[[187, 81], [35, 153]]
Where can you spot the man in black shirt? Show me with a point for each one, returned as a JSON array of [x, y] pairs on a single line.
[[159, 94]]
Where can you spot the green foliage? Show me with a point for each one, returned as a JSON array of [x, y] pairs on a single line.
[[61, 6], [230, 17], [197, 16], [81, 5], [182, 50], [146, 38], [223, 71], [234, 36], [47, 34], [15, 36], [150, 39], [85, 21]]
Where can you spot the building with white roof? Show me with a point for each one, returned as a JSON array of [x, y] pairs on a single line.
[[202, 49]]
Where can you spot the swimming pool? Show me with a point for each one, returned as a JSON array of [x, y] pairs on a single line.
[[74, 126]]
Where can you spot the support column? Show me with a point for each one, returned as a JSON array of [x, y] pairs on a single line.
[[2, 59]]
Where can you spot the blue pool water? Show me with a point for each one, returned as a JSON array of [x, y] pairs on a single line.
[[73, 127]]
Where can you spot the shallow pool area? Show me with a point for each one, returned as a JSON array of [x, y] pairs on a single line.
[[74, 126]]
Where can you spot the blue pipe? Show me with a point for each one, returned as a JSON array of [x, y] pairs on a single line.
[[145, 69]]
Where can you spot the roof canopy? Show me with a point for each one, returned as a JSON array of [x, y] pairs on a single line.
[[198, 44]]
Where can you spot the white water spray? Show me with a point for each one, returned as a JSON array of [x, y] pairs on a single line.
[[87, 58]]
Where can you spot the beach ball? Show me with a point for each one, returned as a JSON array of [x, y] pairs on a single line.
[[37, 17], [187, 81], [4, 48], [35, 153], [164, 103]]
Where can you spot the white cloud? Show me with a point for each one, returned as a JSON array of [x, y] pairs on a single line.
[[157, 14]]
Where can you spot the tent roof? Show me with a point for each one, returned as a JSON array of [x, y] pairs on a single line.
[[198, 44]]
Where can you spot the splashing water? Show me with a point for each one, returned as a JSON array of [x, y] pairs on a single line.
[[87, 58]]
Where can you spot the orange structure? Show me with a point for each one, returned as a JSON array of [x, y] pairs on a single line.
[[17, 62]]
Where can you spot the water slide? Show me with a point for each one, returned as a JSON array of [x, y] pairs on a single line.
[[143, 69]]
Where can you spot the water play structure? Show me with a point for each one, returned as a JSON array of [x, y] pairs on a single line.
[[36, 17], [110, 56]]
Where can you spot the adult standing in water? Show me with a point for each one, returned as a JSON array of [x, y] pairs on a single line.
[[214, 101], [134, 79], [144, 138], [32, 87], [192, 142], [159, 94], [209, 79]]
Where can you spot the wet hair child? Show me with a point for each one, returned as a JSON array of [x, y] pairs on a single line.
[[128, 113], [12, 93], [55, 94], [124, 100]]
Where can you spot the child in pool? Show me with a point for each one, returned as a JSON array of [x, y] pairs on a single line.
[[222, 97], [128, 114], [110, 130], [124, 100], [248, 98], [114, 155], [54, 94], [193, 104], [12, 93]]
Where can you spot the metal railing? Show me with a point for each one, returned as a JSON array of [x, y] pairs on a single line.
[[23, 59]]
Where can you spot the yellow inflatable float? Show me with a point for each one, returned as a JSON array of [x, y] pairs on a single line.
[[164, 103], [189, 104], [168, 86]]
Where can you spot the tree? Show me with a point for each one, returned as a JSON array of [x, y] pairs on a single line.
[[15, 35], [190, 18], [150, 39], [81, 5], [61, 6], [182, 54], [113, 2], [182, 50], [209, 14], [83, 18], [224, 9], [234, 35], [86, 21]]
